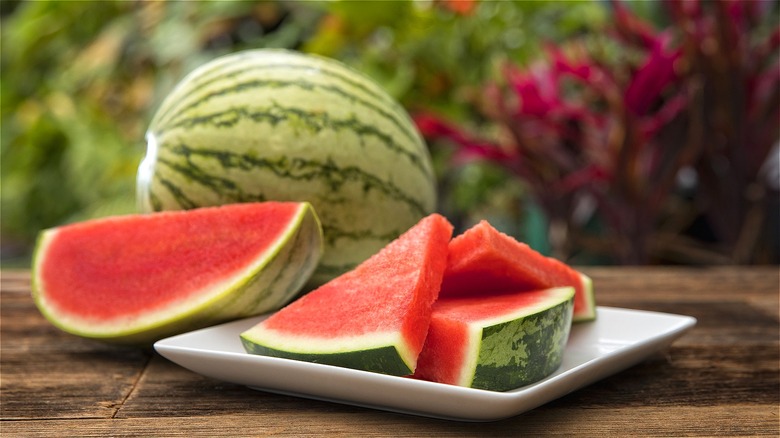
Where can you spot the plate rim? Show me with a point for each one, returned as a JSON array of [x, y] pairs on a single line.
[[504, 404]]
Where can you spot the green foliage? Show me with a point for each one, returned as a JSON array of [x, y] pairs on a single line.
[[427, 54], [80, 81], [604, 126], [432, 57], [61, 152]]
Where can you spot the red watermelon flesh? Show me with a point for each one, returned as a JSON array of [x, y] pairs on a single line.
[[107, 278], [374, 317], [483, 260]]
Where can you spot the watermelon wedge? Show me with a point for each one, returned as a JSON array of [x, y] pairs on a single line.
[[138, 278], [484, 260], [373, 318], [497, 342]]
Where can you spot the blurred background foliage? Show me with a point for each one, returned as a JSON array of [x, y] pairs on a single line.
[[81, 80]]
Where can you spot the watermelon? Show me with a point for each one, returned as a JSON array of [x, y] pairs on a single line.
[[135, 279], [497, 342], [373, 318], [484, 260], [280, 125]]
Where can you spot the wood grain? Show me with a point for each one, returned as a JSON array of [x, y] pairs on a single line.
[[721, 379]]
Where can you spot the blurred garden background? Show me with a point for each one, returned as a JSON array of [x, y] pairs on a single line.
[[600, 132]]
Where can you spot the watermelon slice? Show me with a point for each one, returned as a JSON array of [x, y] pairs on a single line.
[[137, 278], [497, 342], [484, 260], [373, 318]]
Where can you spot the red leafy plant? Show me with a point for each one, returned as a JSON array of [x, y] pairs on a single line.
[[651, 135]]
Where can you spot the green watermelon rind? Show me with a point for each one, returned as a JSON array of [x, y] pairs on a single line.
[[521, 348], [383, 359], [384, 353], [588, 312], [273, 280], [223, 135]]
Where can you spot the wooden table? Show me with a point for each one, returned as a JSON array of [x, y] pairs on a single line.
[[721, 378]]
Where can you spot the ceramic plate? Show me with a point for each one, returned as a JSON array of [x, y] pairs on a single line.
[[618, 339]]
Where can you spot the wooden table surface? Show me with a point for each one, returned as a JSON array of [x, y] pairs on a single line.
[[722, 378]]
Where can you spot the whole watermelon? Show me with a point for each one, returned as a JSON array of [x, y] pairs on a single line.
[[280, 125]]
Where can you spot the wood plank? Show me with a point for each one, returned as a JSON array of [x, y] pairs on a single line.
[[68, 385], [632, 287], [166, 389], [47, 373], [674, 282], [720, 379], [679, 376], [15, 281], [732, 420], [689, 373]]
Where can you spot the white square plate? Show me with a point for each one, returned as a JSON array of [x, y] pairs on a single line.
[[618, 339]]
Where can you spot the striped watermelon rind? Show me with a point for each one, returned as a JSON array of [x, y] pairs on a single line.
[[375, 352], [274, 279], [526, 347], [511, 349], [280, 125]]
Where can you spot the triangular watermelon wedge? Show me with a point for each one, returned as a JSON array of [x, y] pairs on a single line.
[[483, 261], [138, 278], [373, 318]]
